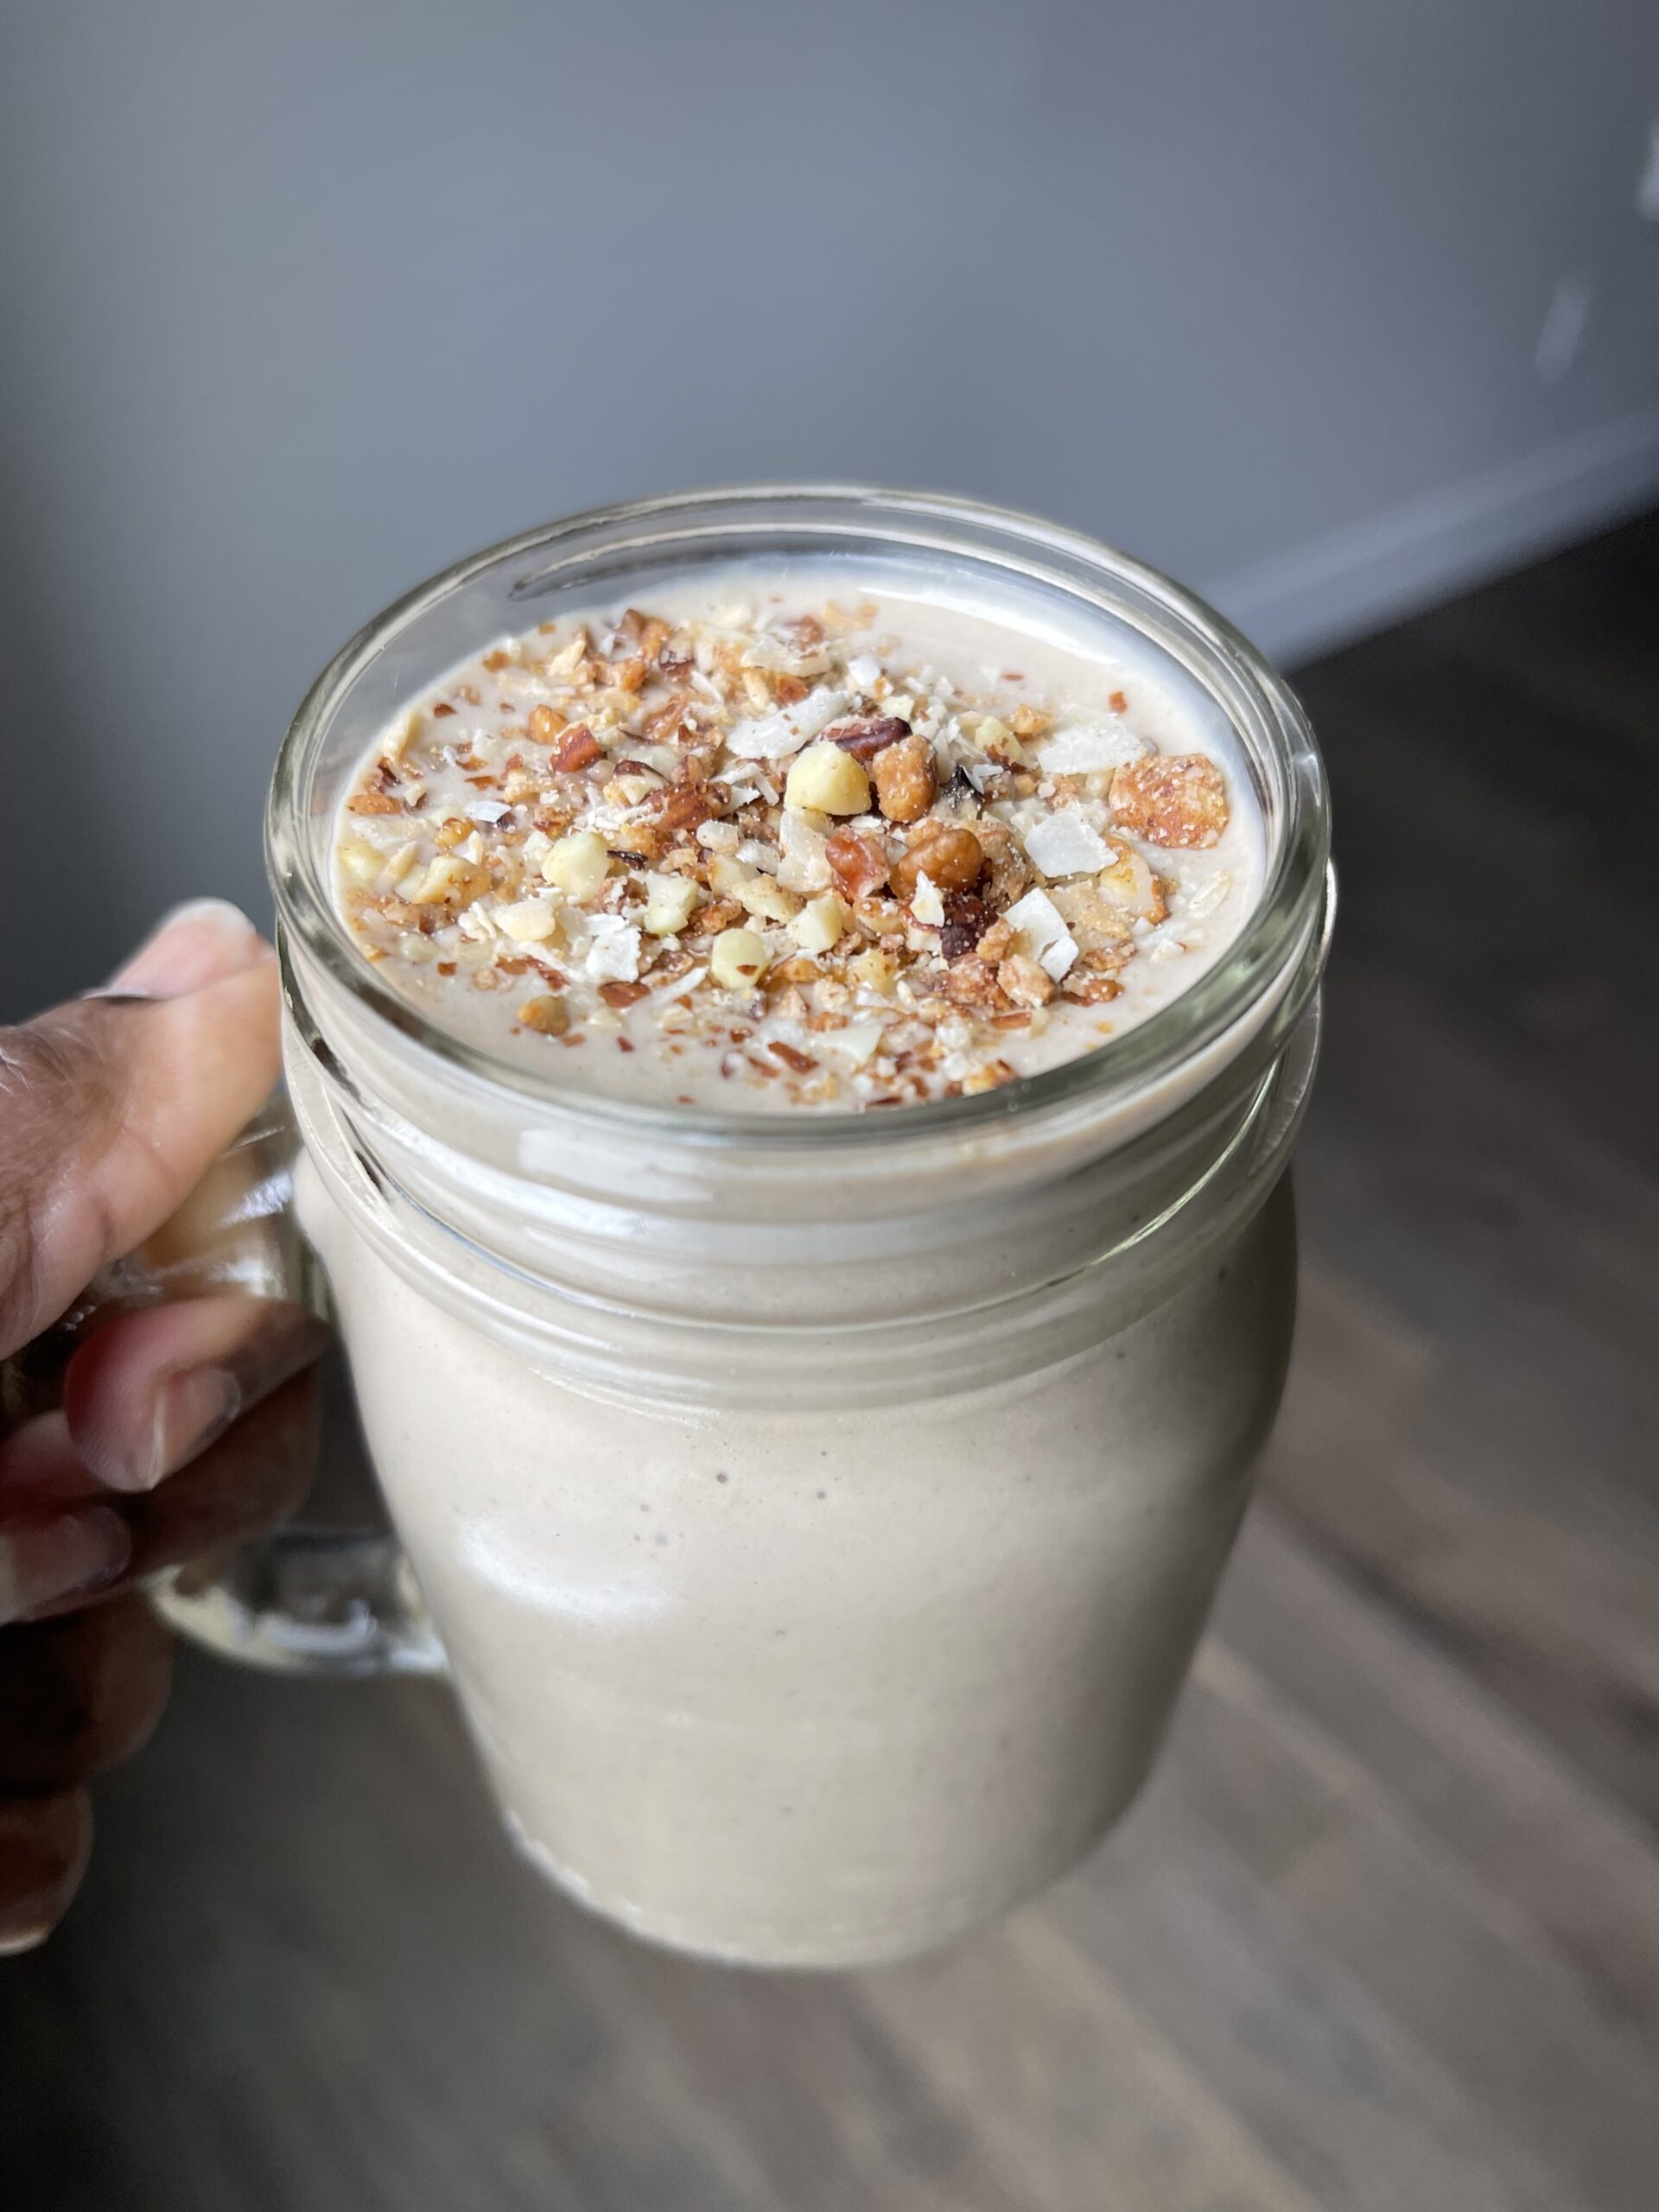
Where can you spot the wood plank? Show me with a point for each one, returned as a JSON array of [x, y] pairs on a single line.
[[1073, 2089], [1456, 1761], [1320, 2073], [1463, 1973]]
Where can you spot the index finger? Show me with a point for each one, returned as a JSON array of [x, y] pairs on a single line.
[[112, 1107]]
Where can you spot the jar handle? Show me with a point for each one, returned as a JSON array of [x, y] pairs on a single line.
[[300, 1600]]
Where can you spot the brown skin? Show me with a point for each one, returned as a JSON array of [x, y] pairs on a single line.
[[184, 1427]]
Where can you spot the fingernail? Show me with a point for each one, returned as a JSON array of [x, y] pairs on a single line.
[[192, 944], [58, 1556], [15, 1943], [191, 1408]]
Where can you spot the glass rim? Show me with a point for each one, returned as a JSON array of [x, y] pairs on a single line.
[[1286, 916]]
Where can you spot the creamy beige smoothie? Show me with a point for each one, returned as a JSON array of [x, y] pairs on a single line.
[[818, 1521]]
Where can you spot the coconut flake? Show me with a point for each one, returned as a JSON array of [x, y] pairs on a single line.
[[1063, 843], [1089, 746], [857, 1042], [1043, 933], [864, 672], [487, 810], [683, 986], [775, 737], [1205, 897], [925, 903], [612, 949], [805, 863]]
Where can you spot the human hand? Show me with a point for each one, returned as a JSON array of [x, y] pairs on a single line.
[[184, 1427]]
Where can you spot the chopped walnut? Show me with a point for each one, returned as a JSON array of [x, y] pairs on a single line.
[[951, 857], [857, 863], [905, 780]]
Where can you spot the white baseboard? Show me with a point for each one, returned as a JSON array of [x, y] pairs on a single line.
[[1370, 573]]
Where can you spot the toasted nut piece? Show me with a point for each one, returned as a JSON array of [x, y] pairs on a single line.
[[1102, 911], [971, 982], [762, 896], [647, 633], [820, 924], [620, 994], [1009, 875], [574, 748], [992, 736], [952, 856], [718, 914], [1091, 990], [373, 802], [874, 969], [737, 959], [826, 780], [1130, 881], [991, 1077], [869, 735], [1029, 722], [362, 863], [669, 902], [548, 1017], [857, 863], [997, 942], [545, 723], [632, 785], [530, 921], [906, 784], [881, 917], [578, 864], [1024, 981], [727, 874], [1178, 799], [449, 879]]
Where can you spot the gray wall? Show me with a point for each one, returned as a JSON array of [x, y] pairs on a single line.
[[301, 300]]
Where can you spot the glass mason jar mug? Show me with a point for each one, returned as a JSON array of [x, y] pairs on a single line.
[[815, 1514]]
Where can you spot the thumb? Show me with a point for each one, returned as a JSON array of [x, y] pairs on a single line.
[[112, 1107]]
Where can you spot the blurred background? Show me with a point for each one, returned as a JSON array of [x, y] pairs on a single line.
[[1325, 310], [1347, 314]]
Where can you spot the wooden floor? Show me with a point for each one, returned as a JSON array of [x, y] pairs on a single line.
[[1384, 1932]]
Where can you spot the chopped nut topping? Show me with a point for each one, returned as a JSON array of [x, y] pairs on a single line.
[[905, 782], [777, 852], [952, 858], [1180, 801], [870, 736], [573, 748], [1024, 982]]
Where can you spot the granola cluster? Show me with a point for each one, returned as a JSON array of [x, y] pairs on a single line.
[[771, 847]]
